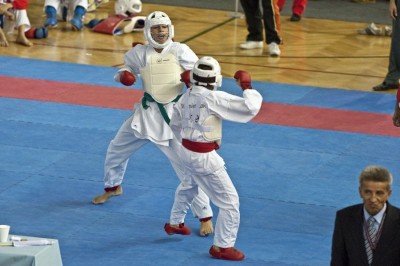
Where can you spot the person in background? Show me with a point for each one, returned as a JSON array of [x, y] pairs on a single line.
[[255, 19], [368, 233], [391, 80], [71, 11], [298, 8], [10, 16], [16, 17]]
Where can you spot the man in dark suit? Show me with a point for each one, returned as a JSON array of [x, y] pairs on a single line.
[[368, 233]]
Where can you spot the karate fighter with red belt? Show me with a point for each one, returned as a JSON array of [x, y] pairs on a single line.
[[196, 121]]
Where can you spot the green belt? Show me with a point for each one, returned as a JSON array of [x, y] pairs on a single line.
[[147, 98]]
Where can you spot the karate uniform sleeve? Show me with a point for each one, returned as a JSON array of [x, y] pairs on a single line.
[[234, 108], [134, 59], [186, 57]]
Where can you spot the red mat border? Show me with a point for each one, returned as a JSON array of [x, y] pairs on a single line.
[[271, 113]]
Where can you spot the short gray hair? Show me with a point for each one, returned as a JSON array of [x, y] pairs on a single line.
[[376, 173]]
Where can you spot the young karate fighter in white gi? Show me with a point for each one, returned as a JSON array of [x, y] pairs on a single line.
[[196, 121], [159, 64]]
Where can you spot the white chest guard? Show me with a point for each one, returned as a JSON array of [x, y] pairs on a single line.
[[161, 77], [210, 127]]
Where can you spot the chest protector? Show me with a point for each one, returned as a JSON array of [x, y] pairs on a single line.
[[161, 77], [210, 127]]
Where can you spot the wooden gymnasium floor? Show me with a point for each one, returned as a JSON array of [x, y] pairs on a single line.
[[321, 53]]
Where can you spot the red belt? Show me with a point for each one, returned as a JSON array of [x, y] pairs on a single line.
[[201, 147]]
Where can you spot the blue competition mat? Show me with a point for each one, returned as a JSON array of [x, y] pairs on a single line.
[[290, 180]]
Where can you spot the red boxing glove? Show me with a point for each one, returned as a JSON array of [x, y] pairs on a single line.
[[185, 78], [243, 79], [127, 78]]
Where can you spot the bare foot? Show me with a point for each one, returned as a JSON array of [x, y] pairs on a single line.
[[23, 40], [206, 228], [3, 43], [106, 195]]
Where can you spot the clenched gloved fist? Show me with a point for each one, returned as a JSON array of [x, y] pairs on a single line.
[[243, 78], [126, 78], [185, 78]]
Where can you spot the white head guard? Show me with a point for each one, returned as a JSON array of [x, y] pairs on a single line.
[[206, 71], [158, 18], [127, 7]]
